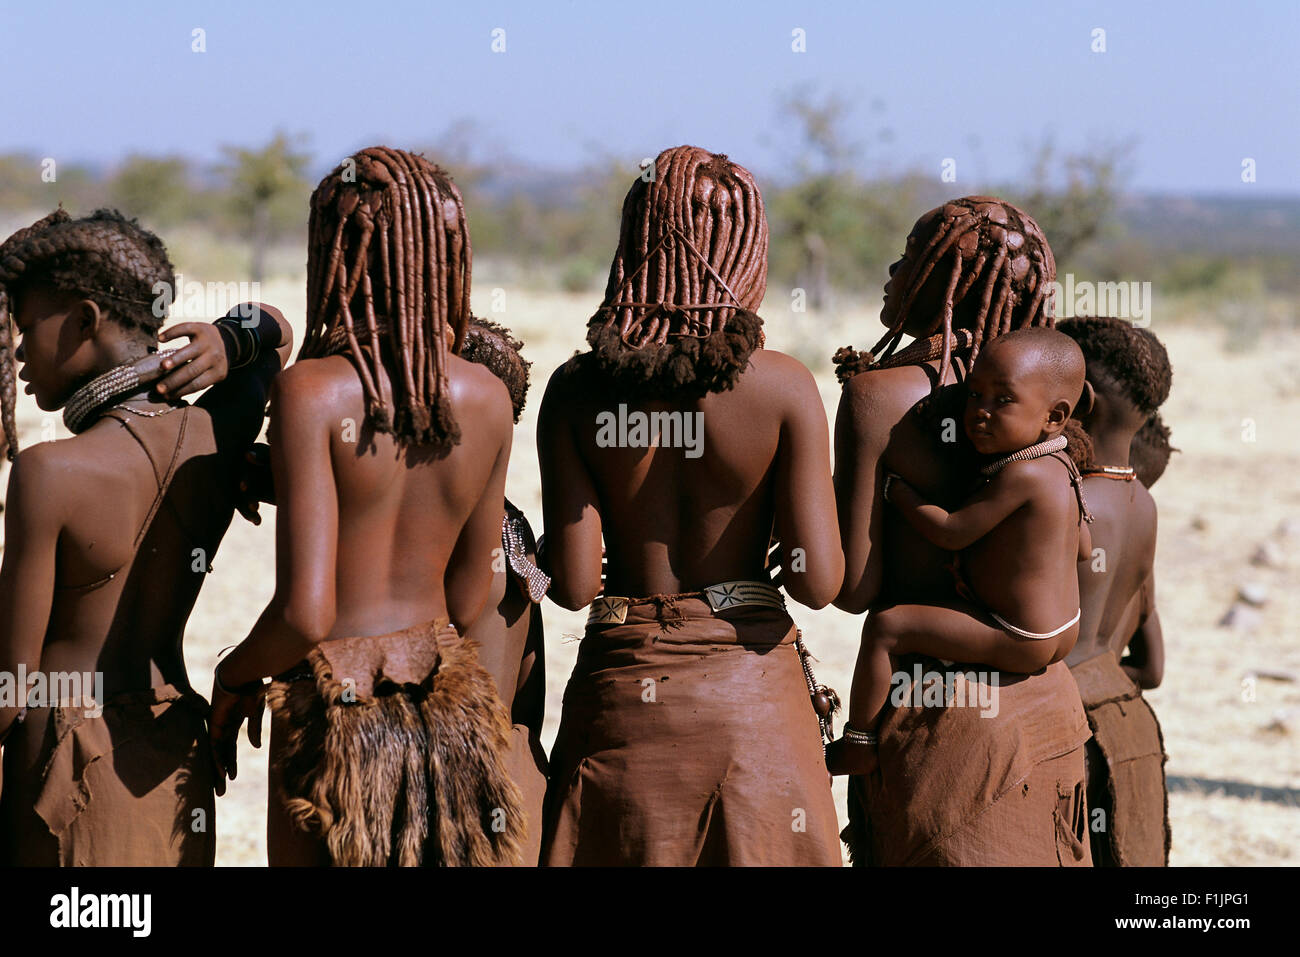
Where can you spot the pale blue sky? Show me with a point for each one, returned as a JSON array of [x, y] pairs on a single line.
[[1198, 86]]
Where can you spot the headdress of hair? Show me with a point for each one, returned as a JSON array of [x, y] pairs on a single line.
[[388, 272], [105, 257], [690, 270], [992, 250]]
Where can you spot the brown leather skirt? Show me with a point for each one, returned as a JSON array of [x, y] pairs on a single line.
[[132, 786], [687, 737], [957, 786], [1126, 768]]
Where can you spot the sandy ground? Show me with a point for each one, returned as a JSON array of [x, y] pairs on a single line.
[[1222, 497]]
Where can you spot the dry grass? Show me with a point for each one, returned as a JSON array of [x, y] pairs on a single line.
[[1220, 498]]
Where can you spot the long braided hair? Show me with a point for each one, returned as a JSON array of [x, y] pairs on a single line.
[[104, 257], [993, 251], [688, 274], [388, 272]]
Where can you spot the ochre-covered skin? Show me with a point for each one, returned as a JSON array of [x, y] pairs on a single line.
[[891, 419], [1129, 372], [510, 645], [672, 524], [1018, 535], [389, 513], [102, 534]]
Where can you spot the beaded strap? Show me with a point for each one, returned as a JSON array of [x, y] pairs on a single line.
[[1037, 450], [536, 580]]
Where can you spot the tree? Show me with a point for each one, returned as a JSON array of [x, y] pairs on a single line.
[[155, 189], [268, 192], [1074, 209]]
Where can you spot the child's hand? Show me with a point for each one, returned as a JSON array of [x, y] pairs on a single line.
[[198, 364], [849, 757]]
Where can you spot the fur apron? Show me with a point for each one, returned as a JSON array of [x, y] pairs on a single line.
[[397, 752]]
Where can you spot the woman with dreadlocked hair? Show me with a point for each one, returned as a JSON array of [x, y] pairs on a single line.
[[687, 735], [109, 535], [388, 516], [954, 785]]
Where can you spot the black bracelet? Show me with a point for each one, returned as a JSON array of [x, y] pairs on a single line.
[[239, 690], [242, 344]]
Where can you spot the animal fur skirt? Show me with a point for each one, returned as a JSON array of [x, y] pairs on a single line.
[[397, 751]]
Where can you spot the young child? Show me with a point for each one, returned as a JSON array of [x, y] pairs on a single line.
[[1129, 376], [1027, 516], [509, 631], [110, 535]]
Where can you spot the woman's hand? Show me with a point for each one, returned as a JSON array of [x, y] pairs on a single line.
[[198, 364], [849, 757], [229, 710], [256, 484]]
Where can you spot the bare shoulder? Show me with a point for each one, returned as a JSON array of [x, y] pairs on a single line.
[[1043, 479], [1144, 517], [316, 388], [474, 386], [875, 401], [55, 475], [784, 374]]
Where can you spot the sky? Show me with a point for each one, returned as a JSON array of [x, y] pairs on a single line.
[[1197, 88]]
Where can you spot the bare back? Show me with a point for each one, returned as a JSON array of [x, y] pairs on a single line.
[[676, 519], [384, 525], [1025, 568], [120, 608], [878, 430], [1111, 580]]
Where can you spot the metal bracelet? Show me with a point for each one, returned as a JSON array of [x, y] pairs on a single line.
[[860, 737]]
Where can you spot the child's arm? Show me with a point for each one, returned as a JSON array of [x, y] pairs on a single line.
[[954, 531], [33, 523], [1145, 663]]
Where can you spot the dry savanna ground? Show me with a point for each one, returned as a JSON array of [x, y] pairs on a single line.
[[1231, 719]]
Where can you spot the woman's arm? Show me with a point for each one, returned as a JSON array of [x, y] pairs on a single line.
[[302, 610], [813, 567], [570, 507], [859, 447], [468, 580]]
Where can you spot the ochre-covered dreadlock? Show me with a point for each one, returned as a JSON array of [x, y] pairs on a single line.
[[994, 253], [388, 272], [105, 257], [689, 272]]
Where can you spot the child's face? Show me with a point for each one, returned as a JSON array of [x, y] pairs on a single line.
[[48, 346], [1009, 405]]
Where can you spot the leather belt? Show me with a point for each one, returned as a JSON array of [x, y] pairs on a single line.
[[612, 609]]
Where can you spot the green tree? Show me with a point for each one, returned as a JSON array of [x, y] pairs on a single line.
[[155, 189], [267, 192], [1073, 196]]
